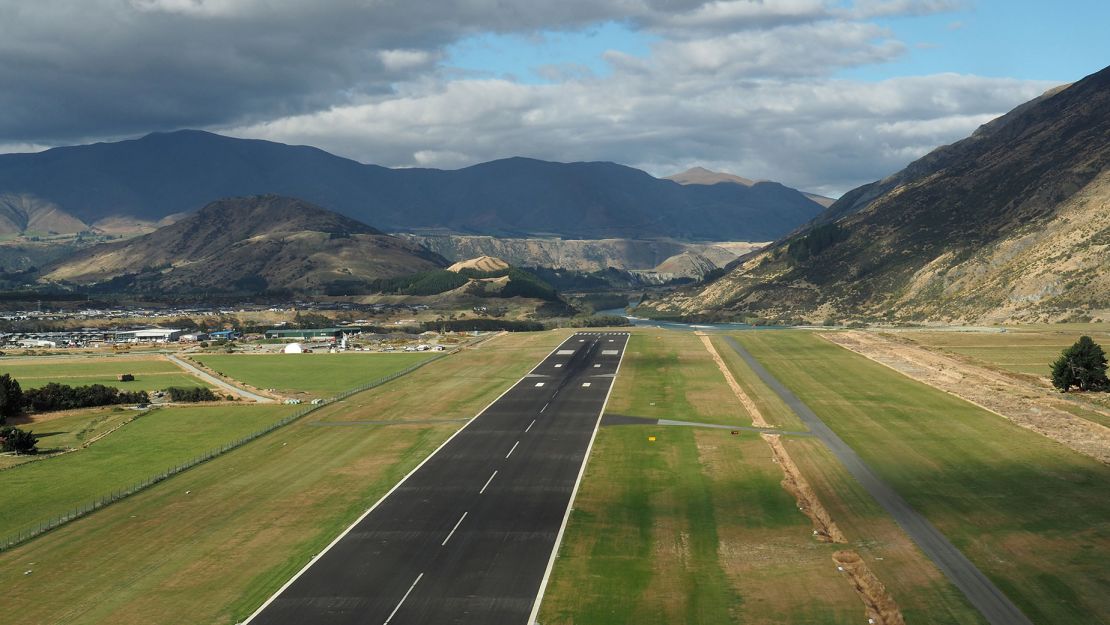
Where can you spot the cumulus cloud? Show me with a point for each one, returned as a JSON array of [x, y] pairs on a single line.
[[742, 85]]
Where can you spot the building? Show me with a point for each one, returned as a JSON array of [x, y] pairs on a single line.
[[309, 333], [194, 337], [227, 335], [150, 335], [293, 348]]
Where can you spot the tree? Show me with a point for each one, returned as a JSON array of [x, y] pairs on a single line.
[[1082, 365], [11, 397], [17, 440]]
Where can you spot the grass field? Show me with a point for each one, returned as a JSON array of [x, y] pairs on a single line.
[[315, 374], [1034, 516], [150, 373], [1019, 352], [256, 515], [695, 527], [675, 379], [162, 438]]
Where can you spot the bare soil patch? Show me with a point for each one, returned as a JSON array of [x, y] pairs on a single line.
[[881, 607]]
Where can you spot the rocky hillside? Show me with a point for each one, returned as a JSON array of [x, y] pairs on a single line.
[[1012, 223], [582, 254], [145, 180], [247, 244]]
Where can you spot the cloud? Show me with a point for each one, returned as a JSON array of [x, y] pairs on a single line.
[[742, 85]]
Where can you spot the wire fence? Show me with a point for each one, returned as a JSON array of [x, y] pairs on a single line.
[[91, 506]]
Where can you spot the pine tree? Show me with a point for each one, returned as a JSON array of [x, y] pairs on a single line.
[[1082, 365]]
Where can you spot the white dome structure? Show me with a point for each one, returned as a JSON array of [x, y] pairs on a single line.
[[293, 348]]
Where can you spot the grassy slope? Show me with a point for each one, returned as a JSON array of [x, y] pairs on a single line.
[[316, 374], [150, 373], [1030, 513], [693, 528], [41, 490], [256, 515]]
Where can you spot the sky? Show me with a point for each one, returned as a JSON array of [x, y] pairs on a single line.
[[822, 95]]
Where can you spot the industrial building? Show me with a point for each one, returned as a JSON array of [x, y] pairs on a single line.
[[308, 333]]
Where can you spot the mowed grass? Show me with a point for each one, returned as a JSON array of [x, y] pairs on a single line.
[[1031, 514], [693, 528], [315, 374], [675, 378], [151, 374], [256, 515], [161, 439]]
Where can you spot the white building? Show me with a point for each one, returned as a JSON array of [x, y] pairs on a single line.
[[293, 348], [150, 335]]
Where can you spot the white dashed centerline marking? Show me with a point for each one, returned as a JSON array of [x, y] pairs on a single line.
[[487, 483], [454, 528], [394, 612], [513, 449], [530, 425], [544, 407]]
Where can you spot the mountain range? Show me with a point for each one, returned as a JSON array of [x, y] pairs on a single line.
[[153, 180], [1009, 224], [703, 176], [250, 244]]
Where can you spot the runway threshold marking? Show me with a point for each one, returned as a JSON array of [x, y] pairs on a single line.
[[402, 601], [452, 533], [484, 487], [530, 425], [512, 450]]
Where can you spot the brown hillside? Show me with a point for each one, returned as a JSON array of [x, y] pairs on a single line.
[[1012, 223]]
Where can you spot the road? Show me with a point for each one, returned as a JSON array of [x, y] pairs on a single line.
[[469, 537], [995, 606], [211, 379]]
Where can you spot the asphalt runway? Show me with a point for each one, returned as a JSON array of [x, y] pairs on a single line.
[[469, 536], [991, 602]]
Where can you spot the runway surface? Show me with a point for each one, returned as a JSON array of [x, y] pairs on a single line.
[[994, 605], [468, 537]]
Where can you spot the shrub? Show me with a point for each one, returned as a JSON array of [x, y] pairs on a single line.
[[17, 440], [179, 394]]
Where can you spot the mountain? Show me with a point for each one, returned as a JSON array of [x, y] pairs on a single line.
[[1012, 223], [247, 244], [164, 174], [703, 176], [587, 255]]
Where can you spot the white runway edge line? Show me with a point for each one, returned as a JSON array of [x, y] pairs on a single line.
[[512, 450], [574, 493], [452, 533], [486, 485], [395, 487], [402, 601]]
